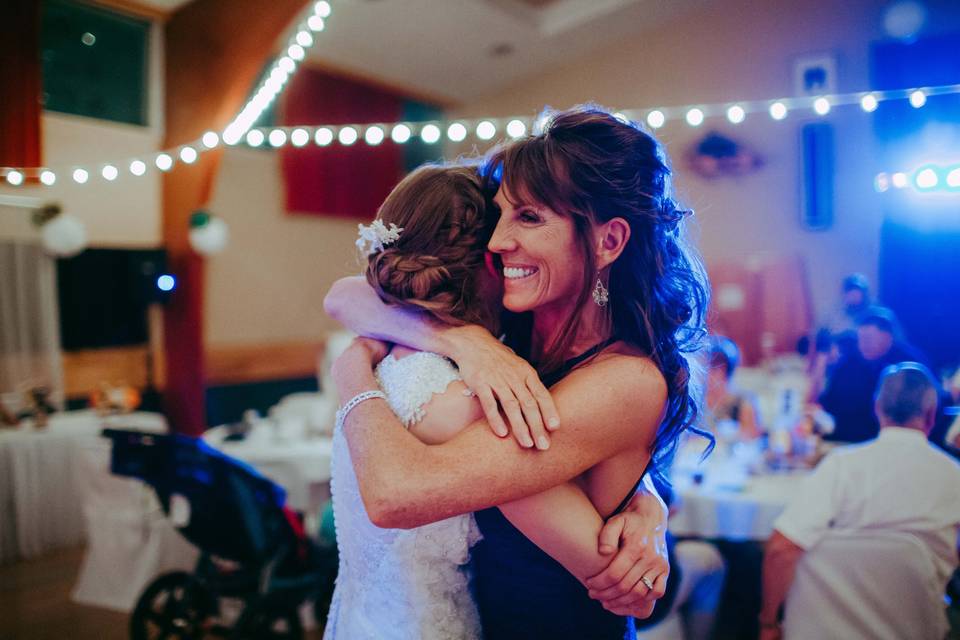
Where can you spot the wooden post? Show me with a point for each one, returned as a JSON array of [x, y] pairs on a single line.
[[214, 51]]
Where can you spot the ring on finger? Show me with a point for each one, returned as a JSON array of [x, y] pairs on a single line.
[[647, 582]]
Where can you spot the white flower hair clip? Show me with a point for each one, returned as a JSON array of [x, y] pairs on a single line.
[[374, 237]]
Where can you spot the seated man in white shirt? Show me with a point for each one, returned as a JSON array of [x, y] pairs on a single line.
[[896, 483]]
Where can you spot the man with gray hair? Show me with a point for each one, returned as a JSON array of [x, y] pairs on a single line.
[[897, 483]]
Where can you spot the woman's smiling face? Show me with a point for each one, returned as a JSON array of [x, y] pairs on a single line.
[[541, 261]]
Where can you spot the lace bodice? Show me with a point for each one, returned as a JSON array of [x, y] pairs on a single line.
[[400, 584], [410, 382]]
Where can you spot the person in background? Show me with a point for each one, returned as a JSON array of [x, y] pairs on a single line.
[[848, 387], [854, 302], [724, 401], [835, 334], [897, 483]]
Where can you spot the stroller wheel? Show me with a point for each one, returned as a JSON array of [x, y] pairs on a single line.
[[172, 606], [269, 623]]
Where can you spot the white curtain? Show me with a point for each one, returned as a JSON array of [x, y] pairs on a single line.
[[29, 323]]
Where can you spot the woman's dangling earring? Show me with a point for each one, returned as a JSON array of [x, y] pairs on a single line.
[[600, 294]]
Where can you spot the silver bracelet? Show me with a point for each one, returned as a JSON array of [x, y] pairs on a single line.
[[345, 410]]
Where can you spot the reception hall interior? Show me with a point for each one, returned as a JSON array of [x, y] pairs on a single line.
[[182, 183]]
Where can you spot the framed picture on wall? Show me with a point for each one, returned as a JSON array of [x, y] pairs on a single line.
[[815, 75]]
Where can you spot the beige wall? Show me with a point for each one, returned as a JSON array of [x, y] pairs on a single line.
[[268, 284], [125, 212]]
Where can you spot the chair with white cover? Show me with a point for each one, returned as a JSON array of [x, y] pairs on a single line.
[[130, 540], [872, 585]]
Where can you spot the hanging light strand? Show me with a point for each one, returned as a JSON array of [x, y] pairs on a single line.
[[241, 129]]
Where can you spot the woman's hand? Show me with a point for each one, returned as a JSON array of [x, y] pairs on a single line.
[[637, 576], [502, 380], [357, 361]]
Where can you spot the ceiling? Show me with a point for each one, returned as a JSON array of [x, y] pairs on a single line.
[[456, 50]]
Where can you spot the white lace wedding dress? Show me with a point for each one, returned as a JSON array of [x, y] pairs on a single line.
[[393, 583]]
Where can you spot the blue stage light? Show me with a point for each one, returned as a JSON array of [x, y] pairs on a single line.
[[166, 282]]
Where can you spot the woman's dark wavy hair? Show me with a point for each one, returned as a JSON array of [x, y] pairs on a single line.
[[592, 166]]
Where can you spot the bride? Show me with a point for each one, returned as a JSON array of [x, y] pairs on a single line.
[[426, 252]]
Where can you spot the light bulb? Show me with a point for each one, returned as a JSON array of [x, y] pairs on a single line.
[[373, 135], [486, 130], [516, 128], [347, 136], [656, 119], [299, 137], [430, 133], [400, 133], [323, 137], [255, 137], [277, 138], [188, 155], [304, 39], [456, 132]]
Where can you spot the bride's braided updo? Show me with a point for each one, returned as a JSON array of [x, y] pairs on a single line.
[[437, 262]]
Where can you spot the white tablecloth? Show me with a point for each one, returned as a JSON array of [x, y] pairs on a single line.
[[300, 465], [730, 495], [744, 513], [42, 482]]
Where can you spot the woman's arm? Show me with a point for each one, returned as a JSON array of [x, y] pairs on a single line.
[[500, 378], [610, 558], [609, 406], [564, 523]]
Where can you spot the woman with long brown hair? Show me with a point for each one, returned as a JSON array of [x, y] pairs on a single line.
[[605, 297]]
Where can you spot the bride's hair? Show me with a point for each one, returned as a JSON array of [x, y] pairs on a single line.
[[437, 262]]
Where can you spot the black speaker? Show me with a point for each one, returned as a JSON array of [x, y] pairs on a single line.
[[103, 296], [816, 195]]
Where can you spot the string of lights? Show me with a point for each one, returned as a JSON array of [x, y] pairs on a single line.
[[927, 178], [241, 130]]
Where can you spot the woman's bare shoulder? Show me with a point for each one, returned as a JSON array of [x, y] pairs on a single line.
[[624, 373]]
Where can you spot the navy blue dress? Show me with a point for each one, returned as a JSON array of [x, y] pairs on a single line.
[[522, 592]]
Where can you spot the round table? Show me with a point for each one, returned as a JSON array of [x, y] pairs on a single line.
[[734, 513], [731, 495]]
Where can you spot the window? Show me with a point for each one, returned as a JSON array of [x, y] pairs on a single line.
[[94, 62]]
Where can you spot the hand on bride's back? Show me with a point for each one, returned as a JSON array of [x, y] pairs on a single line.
[[361, 356], [503, 381]]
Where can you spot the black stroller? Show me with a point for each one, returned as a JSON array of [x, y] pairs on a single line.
[[253, 548]]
